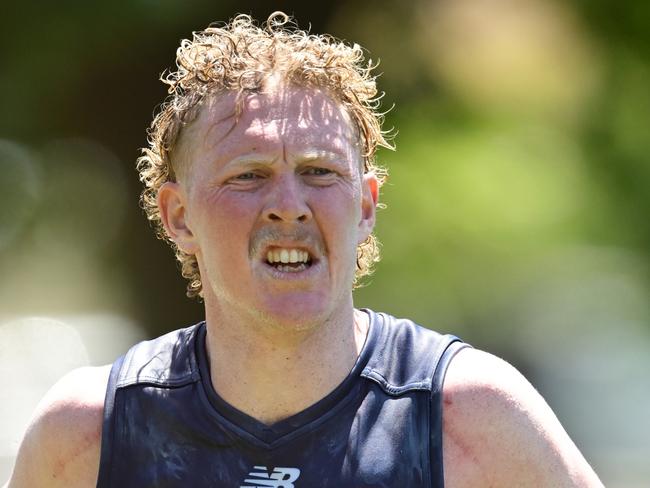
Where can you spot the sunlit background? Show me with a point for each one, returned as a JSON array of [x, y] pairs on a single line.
[[517, 203]]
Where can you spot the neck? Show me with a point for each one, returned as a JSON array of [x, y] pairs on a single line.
[[270, 372]]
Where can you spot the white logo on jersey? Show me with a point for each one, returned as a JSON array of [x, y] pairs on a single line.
[[279, 478]]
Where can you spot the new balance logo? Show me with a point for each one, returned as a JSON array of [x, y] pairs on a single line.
[[279, 478]]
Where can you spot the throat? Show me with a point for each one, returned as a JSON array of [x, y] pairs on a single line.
[[271, 380], [270, 397], [273, 387]]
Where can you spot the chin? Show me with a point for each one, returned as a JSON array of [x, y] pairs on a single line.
[[297, 313], [297, 321]]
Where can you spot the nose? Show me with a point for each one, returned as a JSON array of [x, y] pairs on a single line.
[[287, 201]]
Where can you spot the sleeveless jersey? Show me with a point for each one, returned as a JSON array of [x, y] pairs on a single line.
[[165, 425]]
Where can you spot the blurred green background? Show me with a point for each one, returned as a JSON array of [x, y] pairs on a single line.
[[517, 202]]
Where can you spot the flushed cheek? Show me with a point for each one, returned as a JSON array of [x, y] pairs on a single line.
[[340, 210], [224, 227], [339, 226], [225, 261]]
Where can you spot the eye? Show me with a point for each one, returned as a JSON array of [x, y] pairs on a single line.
[[246, 176], [246, 179], [318, 171]]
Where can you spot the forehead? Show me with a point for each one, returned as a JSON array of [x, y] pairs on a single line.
[[298, 119]]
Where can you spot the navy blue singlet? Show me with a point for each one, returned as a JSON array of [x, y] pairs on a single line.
[[165, 426]]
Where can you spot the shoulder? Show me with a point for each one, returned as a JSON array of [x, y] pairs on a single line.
[[62, 444], [499, 431]]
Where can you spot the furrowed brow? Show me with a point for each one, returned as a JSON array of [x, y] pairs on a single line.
[[250, 159], [318, 155]]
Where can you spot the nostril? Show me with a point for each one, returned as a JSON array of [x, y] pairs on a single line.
[[278, 217]]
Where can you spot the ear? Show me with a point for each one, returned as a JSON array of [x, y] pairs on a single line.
[[369, 199], [172, 205]]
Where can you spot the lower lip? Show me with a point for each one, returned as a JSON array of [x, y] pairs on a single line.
[[300, 275]]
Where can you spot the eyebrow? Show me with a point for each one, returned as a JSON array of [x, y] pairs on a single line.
[[303, 157], [315, 155]]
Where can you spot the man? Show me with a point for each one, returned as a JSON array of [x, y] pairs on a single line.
[[261, 174]]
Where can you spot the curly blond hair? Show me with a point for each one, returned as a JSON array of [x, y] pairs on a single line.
[[238, 57]]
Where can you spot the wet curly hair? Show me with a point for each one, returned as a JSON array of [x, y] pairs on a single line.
[[239, 57]]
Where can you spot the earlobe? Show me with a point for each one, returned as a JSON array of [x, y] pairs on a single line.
[[171, 201], [369, 199]]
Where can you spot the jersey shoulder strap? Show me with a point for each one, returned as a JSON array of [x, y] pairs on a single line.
[[168, 361], [409, 358], [406, 356]]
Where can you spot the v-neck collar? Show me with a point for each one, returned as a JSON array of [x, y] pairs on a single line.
[[280, 432]]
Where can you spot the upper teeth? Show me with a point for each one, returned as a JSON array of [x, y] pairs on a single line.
[[287, 256]]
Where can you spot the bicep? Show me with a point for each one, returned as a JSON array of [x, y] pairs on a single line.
[[513, 434]]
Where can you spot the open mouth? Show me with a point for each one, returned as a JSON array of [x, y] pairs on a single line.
[[288, 260]]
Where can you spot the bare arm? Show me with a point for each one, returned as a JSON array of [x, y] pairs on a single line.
[[61, 446], [498, 430]]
